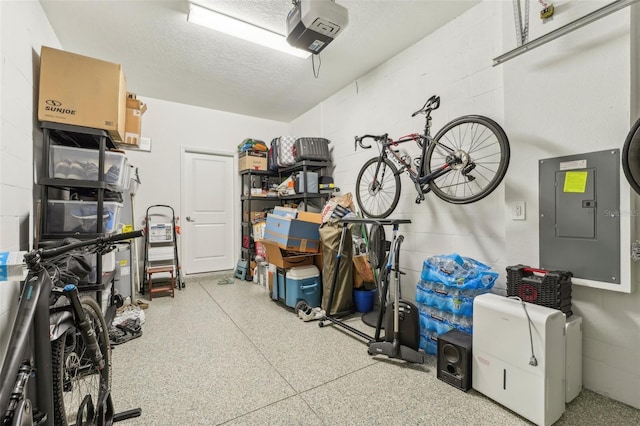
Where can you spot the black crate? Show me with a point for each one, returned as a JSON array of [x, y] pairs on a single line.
[[546, 288]]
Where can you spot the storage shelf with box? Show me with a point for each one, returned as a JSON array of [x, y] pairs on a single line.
[[252, 160], [253, 208], [83, 164], [77, 161], [72, 217], [310, 168], [82, 148]]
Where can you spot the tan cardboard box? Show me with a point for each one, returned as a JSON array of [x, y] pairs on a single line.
[[133, 121], [253, 216], [252, 160], [82, 91], [282, 259]]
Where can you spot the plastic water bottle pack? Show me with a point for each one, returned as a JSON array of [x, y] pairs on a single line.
[[448, 284], [463, 273]]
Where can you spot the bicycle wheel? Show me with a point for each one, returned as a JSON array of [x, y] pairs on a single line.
[[377, 246], [74, 375], [482, 148], [378, 195], [631, 157]]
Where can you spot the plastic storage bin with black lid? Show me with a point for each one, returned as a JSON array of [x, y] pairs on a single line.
[[82, 164], [73, 217]]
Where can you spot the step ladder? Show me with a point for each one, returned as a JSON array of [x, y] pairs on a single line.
[[162, 271]]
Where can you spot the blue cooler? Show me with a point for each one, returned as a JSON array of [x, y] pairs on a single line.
[[303, 283]]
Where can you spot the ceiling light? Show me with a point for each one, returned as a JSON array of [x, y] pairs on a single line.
[[240, 29]]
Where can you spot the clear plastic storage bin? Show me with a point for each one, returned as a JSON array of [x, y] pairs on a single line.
[[73, 217], [82, 164]]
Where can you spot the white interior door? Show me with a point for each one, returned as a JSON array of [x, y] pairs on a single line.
[[208, 211]]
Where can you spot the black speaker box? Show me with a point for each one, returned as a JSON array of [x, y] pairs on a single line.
[[454, 359]]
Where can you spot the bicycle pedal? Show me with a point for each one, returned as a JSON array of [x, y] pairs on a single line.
[[419, 199], [468, 168]]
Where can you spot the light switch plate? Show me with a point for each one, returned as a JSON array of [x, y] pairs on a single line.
[[518, 210]]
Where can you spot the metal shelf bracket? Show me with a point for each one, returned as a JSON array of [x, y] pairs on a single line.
[[565, 29]]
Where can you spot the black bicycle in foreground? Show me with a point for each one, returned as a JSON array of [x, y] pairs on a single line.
[[57, 369], [465, 161]]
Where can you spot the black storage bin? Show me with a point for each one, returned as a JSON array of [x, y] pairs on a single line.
[[546, 288]]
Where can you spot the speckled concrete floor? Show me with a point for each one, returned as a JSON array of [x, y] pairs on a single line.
[[227, 354]]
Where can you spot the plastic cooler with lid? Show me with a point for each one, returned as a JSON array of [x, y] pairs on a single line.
[[302, 283]]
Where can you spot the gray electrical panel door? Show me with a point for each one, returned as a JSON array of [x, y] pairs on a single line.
[[580, 215]]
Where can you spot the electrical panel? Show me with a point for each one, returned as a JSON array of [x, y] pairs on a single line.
[[579, 230]]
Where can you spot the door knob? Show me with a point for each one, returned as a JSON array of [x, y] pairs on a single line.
[[189, 219]]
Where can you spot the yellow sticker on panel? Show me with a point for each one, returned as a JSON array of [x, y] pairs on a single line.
[[575, 182]]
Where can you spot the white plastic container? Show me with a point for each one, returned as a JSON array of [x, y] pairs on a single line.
[[82, 164], [79, 217], [108, 265]]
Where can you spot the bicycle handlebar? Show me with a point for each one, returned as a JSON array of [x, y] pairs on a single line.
[[57, 251], [358, 140], [431, 104]]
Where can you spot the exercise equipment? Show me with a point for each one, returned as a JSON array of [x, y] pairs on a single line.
[[377, 250], [396, 343]]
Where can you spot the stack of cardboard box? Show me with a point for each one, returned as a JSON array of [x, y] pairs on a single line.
[[292, 238]]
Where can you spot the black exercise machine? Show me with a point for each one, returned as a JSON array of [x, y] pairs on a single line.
[[393, 345]]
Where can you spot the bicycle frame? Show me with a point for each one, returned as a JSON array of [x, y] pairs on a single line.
[[33, 315], [419, 177], [469, 148], [47, 324]]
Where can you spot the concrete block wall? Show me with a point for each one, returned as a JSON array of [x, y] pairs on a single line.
[[24, 28], [577, 94], [574, 95], [455, 63]]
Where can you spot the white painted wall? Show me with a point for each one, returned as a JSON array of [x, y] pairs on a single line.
[[567, 97], [24, 28], [573, 96], [454, 63], [172, 126]]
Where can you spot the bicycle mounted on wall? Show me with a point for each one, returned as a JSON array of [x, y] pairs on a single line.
[[463, 163]]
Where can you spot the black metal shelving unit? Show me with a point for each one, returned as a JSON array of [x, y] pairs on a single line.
[[248, 252], [76, 137]]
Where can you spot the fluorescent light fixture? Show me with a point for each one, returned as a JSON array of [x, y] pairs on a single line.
[[240, 29]]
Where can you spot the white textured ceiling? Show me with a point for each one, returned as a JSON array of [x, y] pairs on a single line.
[[165, 57]]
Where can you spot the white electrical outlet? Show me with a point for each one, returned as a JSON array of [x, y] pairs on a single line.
[[518, 210]]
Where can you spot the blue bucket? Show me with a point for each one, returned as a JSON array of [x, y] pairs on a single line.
[[364, 300]]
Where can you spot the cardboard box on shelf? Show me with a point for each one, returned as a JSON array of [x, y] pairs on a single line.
[[300, 234], [133, 121], [253, 216], [258, 230], [252, 160], [82, 91], [260, 249], [282, 259]]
